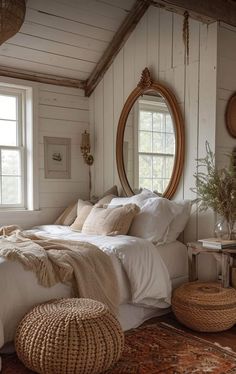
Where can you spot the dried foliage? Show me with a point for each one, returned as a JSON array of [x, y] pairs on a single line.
[[216, 188]]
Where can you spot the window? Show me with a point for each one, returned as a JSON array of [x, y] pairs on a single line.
[[156, 145], [16, 147]]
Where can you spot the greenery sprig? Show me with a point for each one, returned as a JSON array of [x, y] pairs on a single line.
[[216, 188]]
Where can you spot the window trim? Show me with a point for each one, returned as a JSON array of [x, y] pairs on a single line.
[[31, 166]]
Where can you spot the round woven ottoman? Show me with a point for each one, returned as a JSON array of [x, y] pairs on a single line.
[[205, 306], [68, 336]]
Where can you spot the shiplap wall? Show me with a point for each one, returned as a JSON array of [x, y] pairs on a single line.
[[157, 43], [61, 112], [226, 86]]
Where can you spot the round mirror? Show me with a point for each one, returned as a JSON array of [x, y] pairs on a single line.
[[150, 140]]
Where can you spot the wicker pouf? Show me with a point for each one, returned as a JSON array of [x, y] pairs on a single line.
[[205, 306], [69, 336]]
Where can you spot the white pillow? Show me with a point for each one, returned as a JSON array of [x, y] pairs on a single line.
[[179, 222], [139, 199], [152, 223]]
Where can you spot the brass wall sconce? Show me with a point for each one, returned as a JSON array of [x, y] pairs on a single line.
[[85, 148]]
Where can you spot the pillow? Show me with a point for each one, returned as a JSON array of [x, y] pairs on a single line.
[[179, 222], [82, 203], [113, 221], [104, 201], [80, 219], [139, 199], [152, 223], [67, 216], [112, 191]]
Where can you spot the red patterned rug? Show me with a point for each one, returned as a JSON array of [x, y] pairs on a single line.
[[159, 349]]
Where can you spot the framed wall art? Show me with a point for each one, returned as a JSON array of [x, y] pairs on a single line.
[[57, 157]]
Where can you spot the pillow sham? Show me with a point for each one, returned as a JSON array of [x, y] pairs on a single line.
[[67, 216], [180, 220], [139, 199], [81, 217], [112, 221], [112, 191], [104, 201], [152, 223]]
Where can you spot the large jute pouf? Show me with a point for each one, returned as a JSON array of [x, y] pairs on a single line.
[[205, 306], [68, 336]]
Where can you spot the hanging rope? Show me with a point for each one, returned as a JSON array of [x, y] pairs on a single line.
[[186, 35]]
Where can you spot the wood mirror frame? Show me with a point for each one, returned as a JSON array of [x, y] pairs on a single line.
[[146, 85]]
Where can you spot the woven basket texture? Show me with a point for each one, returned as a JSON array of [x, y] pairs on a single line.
[[68, 336], [12, 17], [205, 306]]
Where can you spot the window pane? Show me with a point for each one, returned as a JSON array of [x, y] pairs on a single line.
[[145, 166], [158, 142], [11, 162], [158, 185], [7, 107], [158, 122], [145, 141], [11, 190], [145, 120], [169, 124], [8, 133], [145, 183], [169, 166], [170, 143], [158, 167]]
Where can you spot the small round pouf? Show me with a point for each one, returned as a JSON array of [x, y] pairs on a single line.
[[205, 306], [68, 336]]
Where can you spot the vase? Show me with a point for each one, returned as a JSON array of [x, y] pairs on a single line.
[[225, 229]]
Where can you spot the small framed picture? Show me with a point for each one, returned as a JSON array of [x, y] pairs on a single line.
[[57, 157]]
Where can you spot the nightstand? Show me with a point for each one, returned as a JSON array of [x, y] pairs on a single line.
[[224, 256]]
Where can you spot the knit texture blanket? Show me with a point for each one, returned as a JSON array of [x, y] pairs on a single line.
[[80, 264]]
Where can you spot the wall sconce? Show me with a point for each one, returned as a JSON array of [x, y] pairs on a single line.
[[85, 148]]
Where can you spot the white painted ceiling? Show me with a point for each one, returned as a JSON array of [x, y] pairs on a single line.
[[64, 37]]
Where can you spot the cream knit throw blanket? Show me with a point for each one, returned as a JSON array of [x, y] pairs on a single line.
[[83, 265]]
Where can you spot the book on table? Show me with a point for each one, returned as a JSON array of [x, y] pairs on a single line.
[[217, 243]]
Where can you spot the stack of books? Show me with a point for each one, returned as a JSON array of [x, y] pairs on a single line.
[[217, 243]]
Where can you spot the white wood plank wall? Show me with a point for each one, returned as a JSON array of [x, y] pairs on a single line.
[[157, 43], [62, 112], [226, 86]]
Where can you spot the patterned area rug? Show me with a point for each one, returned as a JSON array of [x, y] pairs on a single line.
[[159, 349]]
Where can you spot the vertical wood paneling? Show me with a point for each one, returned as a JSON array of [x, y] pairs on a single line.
[[157, 43], [118, 101], [153, 39], [98, 142], [166, 40], [108, 151]]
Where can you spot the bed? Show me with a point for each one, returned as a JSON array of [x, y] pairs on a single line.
[[146, 275]]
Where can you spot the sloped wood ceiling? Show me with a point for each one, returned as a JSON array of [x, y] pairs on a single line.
[[64, 38], [73, 42]]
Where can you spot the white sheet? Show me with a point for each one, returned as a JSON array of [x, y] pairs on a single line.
[[143, 277]]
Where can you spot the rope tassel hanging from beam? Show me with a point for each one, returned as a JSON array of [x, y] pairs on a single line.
[[12, 15], [186, 35]]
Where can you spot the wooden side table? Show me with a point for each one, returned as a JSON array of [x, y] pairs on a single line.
[[224, 256]]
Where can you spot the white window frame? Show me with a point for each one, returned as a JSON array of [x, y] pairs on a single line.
[[29, 97]]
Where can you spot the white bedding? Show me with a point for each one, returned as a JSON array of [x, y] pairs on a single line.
[[140, 267]]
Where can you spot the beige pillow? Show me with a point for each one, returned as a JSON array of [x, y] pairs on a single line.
[[79, 221], [110, 221], [112, 191], [81, 203], [67, 216], [105, 201]]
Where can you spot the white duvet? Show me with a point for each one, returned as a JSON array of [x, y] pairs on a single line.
[[141, 272]]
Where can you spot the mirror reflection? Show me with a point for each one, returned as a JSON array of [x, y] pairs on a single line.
[[149, 144]]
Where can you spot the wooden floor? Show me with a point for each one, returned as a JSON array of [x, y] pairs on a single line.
[[225, 338]]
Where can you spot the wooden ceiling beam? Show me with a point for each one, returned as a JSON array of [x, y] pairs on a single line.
[[205, 10], [116, 44], [41, 78]]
